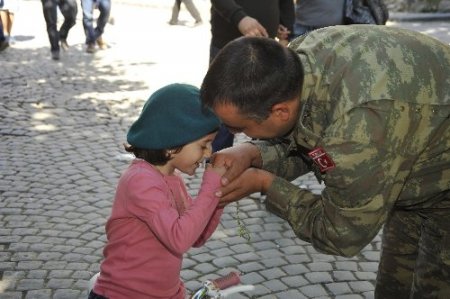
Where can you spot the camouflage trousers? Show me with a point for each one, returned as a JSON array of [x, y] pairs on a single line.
[[415, 256]]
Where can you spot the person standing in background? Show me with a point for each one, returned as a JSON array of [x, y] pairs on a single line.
[[94, 35], [231, 19], [314, 14], [69, 10], [3, 42], [191, 9], [8, 9]]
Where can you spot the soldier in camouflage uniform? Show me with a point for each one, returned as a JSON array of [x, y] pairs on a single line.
[[366, 108]]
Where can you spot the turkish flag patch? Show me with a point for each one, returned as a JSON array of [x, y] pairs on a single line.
[[321, 159]]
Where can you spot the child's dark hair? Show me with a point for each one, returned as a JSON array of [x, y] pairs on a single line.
[[155, 157]]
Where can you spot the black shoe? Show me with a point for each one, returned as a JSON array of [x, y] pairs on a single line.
[[55, 55], [3, 45], [90, 48], [64, 45]]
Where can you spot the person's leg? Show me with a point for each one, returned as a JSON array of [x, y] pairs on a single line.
[[69, 10], [104, 7], [88, 19], [49, 8], [3, 42], [399, 252], [10, 22], [193, 10], [175, 12], [432, 272], [5, 19], [213, 51], [223, 137]]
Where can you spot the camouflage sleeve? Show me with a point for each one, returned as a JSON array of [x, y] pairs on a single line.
[[373, 159], [279, 159]]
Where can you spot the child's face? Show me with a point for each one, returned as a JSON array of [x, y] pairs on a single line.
[[192, 155]]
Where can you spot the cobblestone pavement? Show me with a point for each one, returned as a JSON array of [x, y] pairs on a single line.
[[62, 128]]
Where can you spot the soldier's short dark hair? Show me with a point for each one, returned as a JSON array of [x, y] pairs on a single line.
[[253, 74]]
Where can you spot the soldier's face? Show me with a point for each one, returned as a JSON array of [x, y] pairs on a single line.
[[279, 123]]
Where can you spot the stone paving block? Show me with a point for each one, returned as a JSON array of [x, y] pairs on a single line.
[[315, 290], [368, 295], [30, 284], [39, 294], [250, 267], [272, 273], [59, 283], [37, 274], [320, 266], [291, 250], [11, 295], [361, 286], [275, 285], [274, 262], [294, 281], [291, 294], [353, 296], [343, 276], [253, 278], [299, 258], [205, 268], [338, 288], [66, 294], [29, 265], [226, 261], [369, 266], [222, 252], [370, 276], [318, 277], [295, 269]]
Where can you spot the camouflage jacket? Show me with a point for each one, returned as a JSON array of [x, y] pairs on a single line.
[[376, 103]]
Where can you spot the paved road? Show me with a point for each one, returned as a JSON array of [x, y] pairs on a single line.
[[62, 126]]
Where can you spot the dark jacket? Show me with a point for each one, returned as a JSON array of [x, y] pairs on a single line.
[[226, 15]]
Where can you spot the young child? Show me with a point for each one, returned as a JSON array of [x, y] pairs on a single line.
[[154, 221]]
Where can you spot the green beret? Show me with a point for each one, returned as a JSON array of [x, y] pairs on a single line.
[[171, 117]]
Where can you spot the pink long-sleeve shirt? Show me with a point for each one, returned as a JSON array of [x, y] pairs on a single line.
[[147, 235]]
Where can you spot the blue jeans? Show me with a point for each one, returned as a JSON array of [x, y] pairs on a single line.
[[104, 6], [300, 29]]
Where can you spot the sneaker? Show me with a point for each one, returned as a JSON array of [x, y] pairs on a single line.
[[3, 45], [172, 22], [90, 48], [55, 55], [101, 43], [64, 45]]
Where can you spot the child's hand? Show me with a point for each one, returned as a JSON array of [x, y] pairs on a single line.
[[218, 169]]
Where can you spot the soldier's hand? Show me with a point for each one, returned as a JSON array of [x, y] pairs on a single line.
[[250, 181], [249, 26], [236, 160]]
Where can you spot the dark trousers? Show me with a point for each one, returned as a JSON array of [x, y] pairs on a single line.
[[69, 10], [415, 259], [224, 137]]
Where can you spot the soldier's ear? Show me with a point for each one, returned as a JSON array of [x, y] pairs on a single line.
[[283, 111]]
